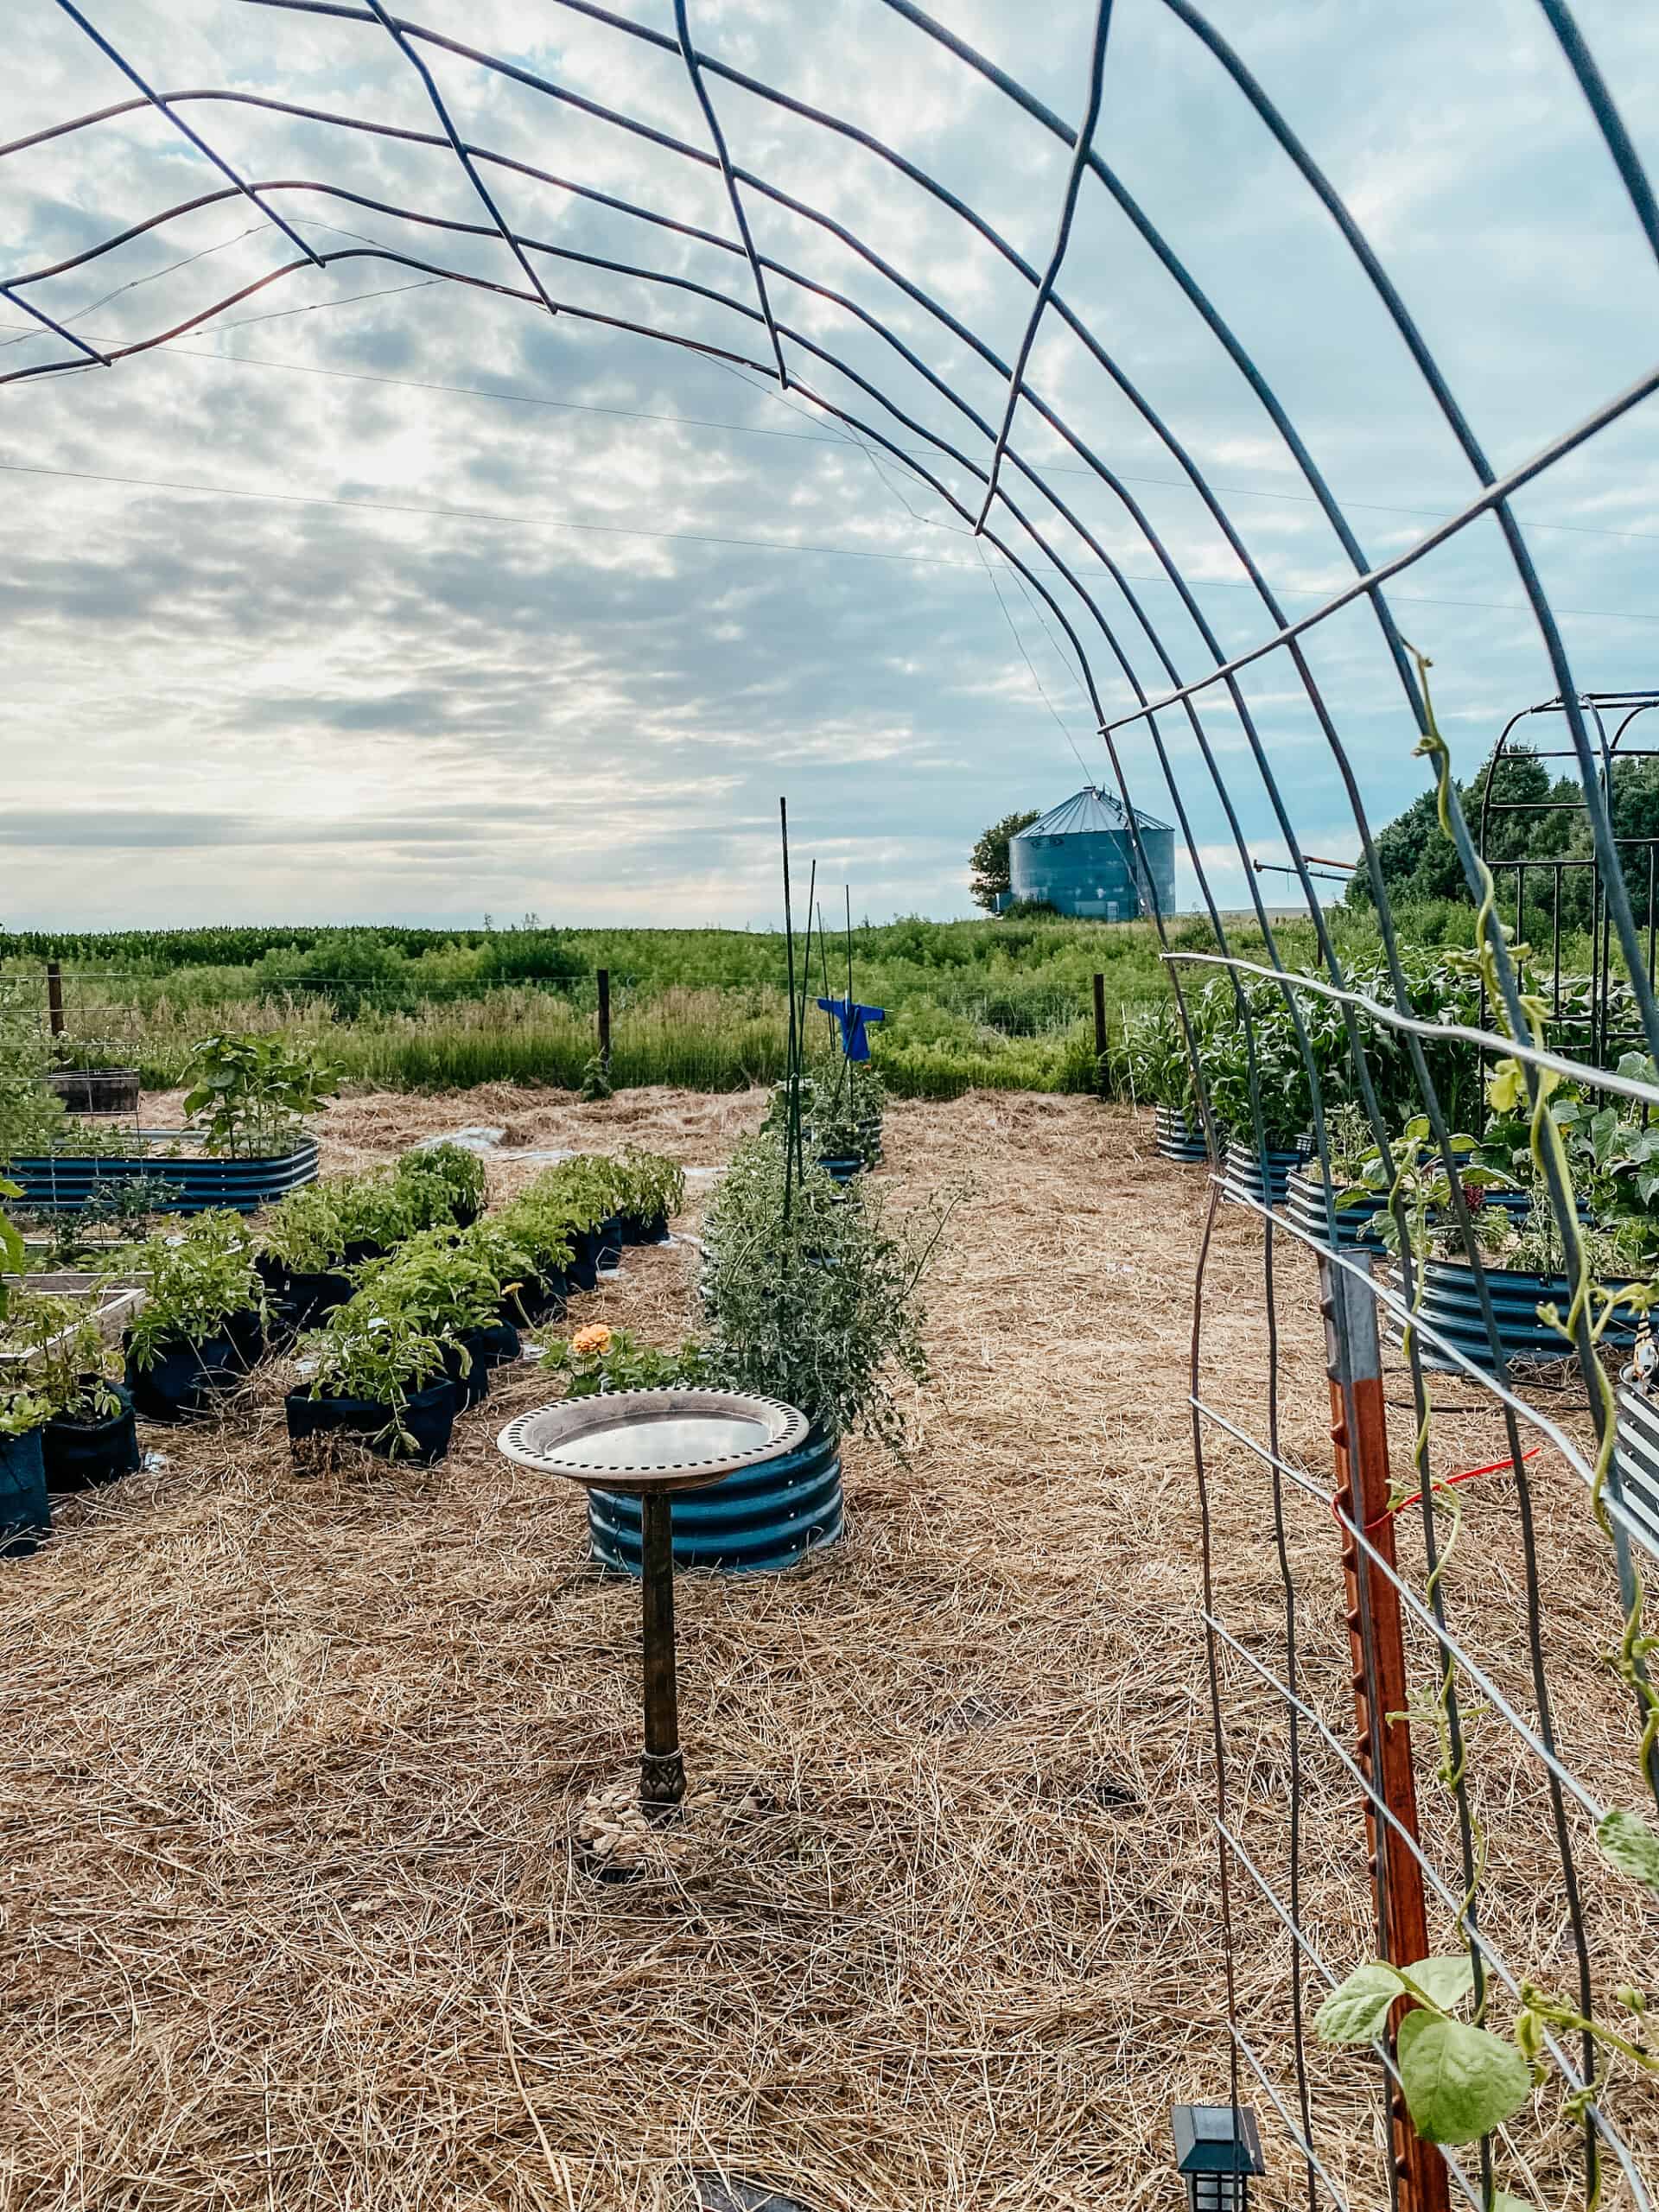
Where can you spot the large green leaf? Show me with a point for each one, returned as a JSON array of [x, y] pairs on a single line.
[[1355, 2012], [1444, 1982], [1459, 2082], [1631, 1844]]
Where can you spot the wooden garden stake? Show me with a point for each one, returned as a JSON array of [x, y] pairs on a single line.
[[1360, 1436], [54, 997]]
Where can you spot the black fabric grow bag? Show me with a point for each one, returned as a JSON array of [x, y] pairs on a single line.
[[584, 1259], [299, 1302], [81, 1455], [187, 1379], [429, 1416], [537, 1298], [25, 1512], [643, 1229], [610, 1241]]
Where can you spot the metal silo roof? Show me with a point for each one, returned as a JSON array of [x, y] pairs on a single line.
[[1089, 809]]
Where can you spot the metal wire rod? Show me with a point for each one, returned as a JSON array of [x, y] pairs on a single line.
[[681, 24], [158, 101], [1248, 2053], [1448, 1643], [1604, 2128], [1062, 239]]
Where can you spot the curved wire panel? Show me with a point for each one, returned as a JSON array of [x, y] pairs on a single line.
[[819, 230]]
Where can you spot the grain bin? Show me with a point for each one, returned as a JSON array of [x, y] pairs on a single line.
[[1080, 858]]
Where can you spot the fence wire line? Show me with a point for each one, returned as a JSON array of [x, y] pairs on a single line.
[[1044, 551]]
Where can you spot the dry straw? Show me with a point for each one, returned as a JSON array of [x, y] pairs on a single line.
[[291, 1770]]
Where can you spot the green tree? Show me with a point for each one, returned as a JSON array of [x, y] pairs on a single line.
[[989, 860]]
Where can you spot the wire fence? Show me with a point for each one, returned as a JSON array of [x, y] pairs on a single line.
[[1443, 1684]]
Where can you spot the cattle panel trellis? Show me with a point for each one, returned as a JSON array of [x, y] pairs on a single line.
[[1509, 2068]]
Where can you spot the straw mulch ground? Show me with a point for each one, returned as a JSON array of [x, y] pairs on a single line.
[[289, 1915]]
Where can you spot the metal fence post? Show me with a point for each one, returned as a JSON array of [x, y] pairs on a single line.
[[54, 997], [1359, 1434], [1100, 1034], [605, 1019]]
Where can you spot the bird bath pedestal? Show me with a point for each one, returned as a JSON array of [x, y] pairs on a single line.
[[647, 1444]]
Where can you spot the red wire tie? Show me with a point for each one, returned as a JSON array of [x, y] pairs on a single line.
[[1469, 1474]]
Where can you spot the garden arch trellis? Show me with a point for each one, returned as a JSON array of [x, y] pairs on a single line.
[[1046, 544]]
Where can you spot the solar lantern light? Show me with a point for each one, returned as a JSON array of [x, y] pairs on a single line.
[[1218, 2148]]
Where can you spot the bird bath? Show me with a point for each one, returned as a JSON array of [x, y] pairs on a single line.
[[647, 1444]]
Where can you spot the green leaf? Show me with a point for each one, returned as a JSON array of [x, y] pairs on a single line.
[[1444, 1982], [1631, 1844], [1355, 2011], [1459, 2082]]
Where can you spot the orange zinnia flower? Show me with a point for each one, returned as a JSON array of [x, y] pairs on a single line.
[[595, 1338]]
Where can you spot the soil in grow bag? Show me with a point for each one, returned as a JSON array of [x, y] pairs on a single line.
[[319, 1428], [25, 1511], [83, 1455], [188, 1380]]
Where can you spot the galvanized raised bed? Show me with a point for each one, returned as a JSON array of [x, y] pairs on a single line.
[[1242, 1175], [1355, 1222], [1178, 1138], [1636, 1460], [1451, 1307], [64, 1182]]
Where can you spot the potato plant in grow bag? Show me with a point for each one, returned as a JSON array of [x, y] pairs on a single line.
[[445, 1182], [377, 1377]]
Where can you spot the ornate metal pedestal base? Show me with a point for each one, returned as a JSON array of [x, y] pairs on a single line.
[[662, 1783]]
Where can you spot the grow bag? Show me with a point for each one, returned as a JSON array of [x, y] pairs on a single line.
[[63, 1182], [638, 1229], [187, 1379], [315, 1424], [97, 1090], [82, 1455], [25, 1513], [584, 1259], [1452, 1306], [758, 1520], [610, 1241], [1635, 1461], [484, 1350], [1241, 1173], [1177, 1137], [299, 1302], [1356, 1224], [537, 1298]]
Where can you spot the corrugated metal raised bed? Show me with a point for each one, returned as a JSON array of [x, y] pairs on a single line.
[[1635, 1457], [63, 1182], [1355, 1222], [751, 1522], [1241, 1173], [1451, 1306], [1178, 1138]]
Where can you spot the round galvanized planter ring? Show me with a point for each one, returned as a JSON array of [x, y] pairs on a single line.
[[606, 1441]]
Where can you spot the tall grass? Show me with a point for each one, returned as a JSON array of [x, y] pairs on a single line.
[[991, 1004]]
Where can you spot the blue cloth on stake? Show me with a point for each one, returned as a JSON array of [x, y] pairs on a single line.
[[855, 1042]]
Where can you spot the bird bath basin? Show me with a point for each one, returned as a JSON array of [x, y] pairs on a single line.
[[648, 1444]]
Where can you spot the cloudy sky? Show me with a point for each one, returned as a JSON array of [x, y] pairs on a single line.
[[383, 597]]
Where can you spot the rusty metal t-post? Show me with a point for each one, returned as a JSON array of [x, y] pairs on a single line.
[[604, 978], [1100, 1034], [54, 997], [1359, 1433], [662, 1771]]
